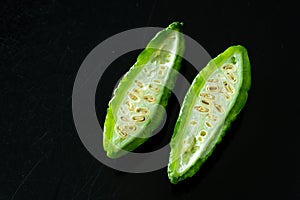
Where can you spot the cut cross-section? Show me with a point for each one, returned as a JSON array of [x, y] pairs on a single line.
[[135, 109], [215, 98]]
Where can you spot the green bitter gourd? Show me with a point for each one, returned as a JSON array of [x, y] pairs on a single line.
[[135, 109], [213, 101]]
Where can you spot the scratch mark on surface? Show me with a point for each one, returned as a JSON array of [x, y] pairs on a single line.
[[26, 177], [62, 57], [56, 192], [151, 13], [40, 138], [86, 183], [149, 19], [94, 181], [99, 190]]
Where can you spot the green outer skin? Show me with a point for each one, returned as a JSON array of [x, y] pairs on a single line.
[[197, 84], [114, 151]]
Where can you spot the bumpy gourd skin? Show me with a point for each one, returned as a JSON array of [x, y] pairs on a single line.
[[136, 108], [215, 98]]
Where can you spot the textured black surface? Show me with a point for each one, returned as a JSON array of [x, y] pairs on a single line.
[[42, 45]]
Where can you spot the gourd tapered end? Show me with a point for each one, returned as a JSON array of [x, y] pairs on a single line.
[[176, 26]]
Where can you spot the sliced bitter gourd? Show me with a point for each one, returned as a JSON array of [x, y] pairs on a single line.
[[216, 96], [136, 107]]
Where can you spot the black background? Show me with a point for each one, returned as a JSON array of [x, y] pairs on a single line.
[[43, 44]]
